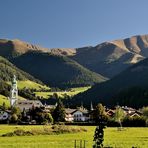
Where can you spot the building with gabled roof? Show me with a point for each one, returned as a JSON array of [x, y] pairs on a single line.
[[28, 104]]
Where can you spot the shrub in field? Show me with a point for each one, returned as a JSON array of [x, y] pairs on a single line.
[[59, 129], [56, 129], [18, 132]]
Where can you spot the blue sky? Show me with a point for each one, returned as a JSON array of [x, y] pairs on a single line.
[[72, 23]]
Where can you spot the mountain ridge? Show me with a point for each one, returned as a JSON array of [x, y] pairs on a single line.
[[107, 59]]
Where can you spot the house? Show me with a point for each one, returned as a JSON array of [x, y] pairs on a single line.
[[128, 110], [110, 112], [134, 114], [28, 104], [4, 115], [69, 114], [77, 115], [81, 114]]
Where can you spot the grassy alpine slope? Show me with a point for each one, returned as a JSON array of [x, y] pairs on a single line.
[[129, 137]]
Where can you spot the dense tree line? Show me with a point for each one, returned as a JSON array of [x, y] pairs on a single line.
[[7, 70], [135, 97]]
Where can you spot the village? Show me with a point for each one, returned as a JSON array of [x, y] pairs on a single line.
[[34, 112]]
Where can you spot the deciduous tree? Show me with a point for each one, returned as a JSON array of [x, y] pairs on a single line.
[[119, 115]]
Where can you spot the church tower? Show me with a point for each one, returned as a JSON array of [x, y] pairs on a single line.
[[13, 92], [91, 107]]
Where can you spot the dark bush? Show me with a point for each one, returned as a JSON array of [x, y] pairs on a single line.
[[134, 122]]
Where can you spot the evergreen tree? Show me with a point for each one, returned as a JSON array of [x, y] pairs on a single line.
[[99, 133], [59, 112]]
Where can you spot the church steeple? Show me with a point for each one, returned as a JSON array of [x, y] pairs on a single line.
[[13, 91], [91, 107]]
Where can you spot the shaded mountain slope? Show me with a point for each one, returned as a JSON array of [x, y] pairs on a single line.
[[7, 70], [135, 76], [56, 70]]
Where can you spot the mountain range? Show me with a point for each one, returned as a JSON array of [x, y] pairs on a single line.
[[52, 69], [123, 61], [109, 58]]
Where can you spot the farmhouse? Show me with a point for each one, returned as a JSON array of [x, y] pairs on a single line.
[[110, 112], [69, 114], [78, 115], [28, 104]]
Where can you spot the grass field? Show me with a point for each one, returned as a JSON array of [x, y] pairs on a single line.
[[61, 94], [137, 137], [4, 99], [31, 85]]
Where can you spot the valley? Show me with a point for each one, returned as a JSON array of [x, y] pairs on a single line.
[[109, 68]]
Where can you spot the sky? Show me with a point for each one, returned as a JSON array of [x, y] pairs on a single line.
[[72, 23]]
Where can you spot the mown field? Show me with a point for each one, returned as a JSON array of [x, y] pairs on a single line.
[[31, 85], [72, 92], [128, 138]]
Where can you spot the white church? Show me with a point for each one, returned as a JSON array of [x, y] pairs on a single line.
[[22, 104], [13, 92]]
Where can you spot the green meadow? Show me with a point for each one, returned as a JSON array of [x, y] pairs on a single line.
[[72, 92], [128, 138], [38, 87], [4, 99], [31, 85]]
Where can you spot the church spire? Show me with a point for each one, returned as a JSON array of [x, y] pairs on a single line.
[[91, 106]]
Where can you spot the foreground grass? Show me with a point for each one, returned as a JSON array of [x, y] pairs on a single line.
[[74, 91], [127, 138]]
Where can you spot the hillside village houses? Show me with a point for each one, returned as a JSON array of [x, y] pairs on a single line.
[[79, 114]]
